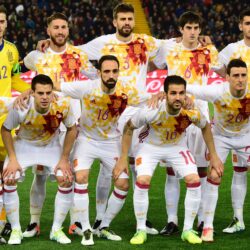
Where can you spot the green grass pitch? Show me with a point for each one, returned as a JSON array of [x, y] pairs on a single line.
[[124, 224]]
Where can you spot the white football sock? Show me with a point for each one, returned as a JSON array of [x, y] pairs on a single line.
[[115, 204], [103, 187], [63, 203], [141, 203], [192, 203], [11, 203], [238, 193], [172, 195], [81, 205], [203, 181], [210, 202], [37, 197]]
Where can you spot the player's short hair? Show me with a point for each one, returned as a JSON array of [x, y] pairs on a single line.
[[124, 8], [244, 13], [56, 16], [237, 63], [174, 79], [107, 58], [189, 17], [41, 79], [3, 10]]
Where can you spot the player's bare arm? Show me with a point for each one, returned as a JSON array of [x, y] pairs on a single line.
[[215, 162], [13, 166], [122, 164], [64, 164]]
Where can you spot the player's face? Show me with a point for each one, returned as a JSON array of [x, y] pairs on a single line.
[[245, 26], [190, 32], [237, 79], [3, 24], [124, 23], [175, 97], [43, 97], [58, 31], [109, 73]]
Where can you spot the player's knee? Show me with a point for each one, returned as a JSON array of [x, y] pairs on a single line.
[[10, 182], [143, 180], [81, 178], [62, 183], [213, 176], [122, 184], [192, 178]]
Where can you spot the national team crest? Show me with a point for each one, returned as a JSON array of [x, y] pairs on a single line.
[[10, 56], [137, 49], [118, 104]]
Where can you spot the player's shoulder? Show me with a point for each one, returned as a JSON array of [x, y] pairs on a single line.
[[10, 45]]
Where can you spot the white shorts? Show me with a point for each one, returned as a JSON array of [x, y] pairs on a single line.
[[178, 156], [87, 150], [126, 115], [195, 140], [240, 145], [29, 155]]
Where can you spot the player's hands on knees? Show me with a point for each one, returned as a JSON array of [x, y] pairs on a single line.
[[43, 45], [120, 166], [189, 103], [21, 102], [64, 166], [155, 99], [217, 165], [9, 173]]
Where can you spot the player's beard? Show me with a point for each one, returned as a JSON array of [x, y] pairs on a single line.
[[110, 83], [123, 33], [61, 44]]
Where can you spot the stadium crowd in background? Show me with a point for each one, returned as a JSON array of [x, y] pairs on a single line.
[[90, 19]]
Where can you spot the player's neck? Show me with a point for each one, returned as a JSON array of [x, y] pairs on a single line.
[[247, 41], [41, 110], [237, 93], [172, 111], [122, 38], [190, 45], [107, 90], [1, 40], [57, 48]]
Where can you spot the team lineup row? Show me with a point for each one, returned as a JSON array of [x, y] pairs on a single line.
[[104, 100]]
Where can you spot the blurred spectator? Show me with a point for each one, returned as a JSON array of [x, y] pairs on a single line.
[[220, 17], [27, 20]]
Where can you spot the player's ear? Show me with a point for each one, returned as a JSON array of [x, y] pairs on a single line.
[[115, 23], [99, 73], [240, 26], [227, 77]]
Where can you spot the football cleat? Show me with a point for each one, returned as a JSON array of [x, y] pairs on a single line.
[[234, 227], [191, 237], [32, 230], [207, 234], [59, 236], [16, 237], [108, 234], [6, 230], [76, 229], [2, 240], [170, 229], [87, 238], [139, 238], [95, 228], [150, 229]]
